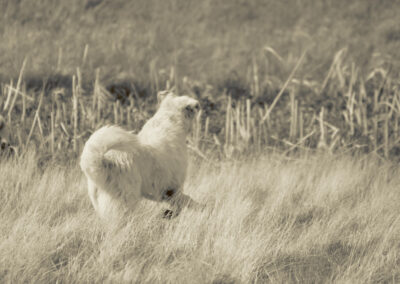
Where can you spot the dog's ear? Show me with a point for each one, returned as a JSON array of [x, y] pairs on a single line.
[[161, 96]]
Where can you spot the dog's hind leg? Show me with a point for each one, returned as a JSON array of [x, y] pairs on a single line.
[[102, 201], [93, 194]]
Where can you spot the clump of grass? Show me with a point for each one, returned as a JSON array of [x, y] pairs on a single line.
[[313, 219]]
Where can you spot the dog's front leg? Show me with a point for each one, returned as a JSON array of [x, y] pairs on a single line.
[[178, 201], [181, 200]]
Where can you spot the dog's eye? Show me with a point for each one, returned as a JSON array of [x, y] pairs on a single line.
[[192, 107]]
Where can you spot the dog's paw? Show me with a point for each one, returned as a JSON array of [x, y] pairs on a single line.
[[168, 214]]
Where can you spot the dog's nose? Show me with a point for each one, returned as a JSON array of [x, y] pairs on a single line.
[[197, 106]]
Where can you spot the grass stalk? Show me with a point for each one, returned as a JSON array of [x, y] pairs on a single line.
[[35, 119], [17, 90], [285, 85], [75, 91]]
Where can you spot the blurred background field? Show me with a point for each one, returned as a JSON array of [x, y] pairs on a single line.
[[208, 41], [287, 75]]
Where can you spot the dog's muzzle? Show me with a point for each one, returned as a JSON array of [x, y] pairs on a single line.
[[191, 110]]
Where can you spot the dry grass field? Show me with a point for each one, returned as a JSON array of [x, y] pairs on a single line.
[[295, 150], [316, 219]]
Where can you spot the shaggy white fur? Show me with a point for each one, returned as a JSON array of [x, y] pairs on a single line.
[[122, 167]]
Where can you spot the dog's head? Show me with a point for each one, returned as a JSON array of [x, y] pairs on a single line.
[[184, 105]]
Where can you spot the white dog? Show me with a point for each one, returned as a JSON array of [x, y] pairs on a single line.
[[122, 167]]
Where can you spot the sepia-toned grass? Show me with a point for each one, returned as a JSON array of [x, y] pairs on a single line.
[[298, 78], [316, 219]]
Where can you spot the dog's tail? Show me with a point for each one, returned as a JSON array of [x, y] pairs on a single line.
[[105, 139]]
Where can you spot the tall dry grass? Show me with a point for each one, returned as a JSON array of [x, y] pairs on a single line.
[[313, 219], [346, 111]]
